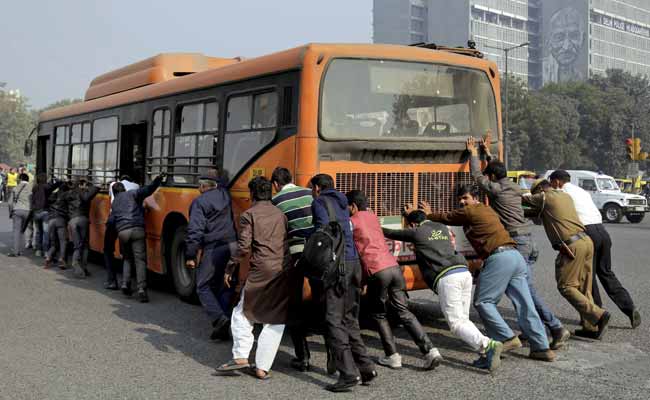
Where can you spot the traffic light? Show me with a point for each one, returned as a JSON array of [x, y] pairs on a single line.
[[630, 148], [634, 149]]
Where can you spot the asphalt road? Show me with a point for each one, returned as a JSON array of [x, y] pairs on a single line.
[[64, 338]]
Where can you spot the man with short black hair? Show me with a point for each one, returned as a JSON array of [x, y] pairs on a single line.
[[78, 201], [342, 301], [211, 230], [128, 213], [264, 295], [295, 202], [591, 218], [573, 265], [446, 273], [57, 221], [386, 285], [503, 272], [505, 199]]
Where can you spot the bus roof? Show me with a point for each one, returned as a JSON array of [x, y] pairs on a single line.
[[154, 77]]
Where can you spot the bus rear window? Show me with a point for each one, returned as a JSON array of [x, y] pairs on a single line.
[[373, 99]]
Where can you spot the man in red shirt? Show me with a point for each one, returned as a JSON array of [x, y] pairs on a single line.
[[386, 285]]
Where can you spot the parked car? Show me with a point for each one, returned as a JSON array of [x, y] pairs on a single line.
[[608, 197]]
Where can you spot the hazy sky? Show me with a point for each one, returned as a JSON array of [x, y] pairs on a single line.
[[51, 50]]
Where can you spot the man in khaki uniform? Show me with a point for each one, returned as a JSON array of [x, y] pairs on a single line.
[[573, 265]]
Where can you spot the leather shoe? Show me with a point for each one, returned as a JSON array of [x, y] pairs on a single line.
[[560, 338], [126, 289], [602, 325], [343, 385], [219, 325], [301, 365], [583, 333], [368, 376], [143, 297], [635, 318], [512, 344], [542, 355]]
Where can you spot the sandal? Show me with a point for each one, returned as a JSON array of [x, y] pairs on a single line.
[[232, 365]]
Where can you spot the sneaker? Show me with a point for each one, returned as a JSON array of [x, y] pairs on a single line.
[[143, 297], [393, 361], [38, 253], [78, 271], [512, 344], [635, 318], [560, 338], [493, 355], [13, 254], [481, 362], [432, 359], [86, 272], [299, 364], [542, 355]]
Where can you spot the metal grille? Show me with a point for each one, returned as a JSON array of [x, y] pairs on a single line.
[[637, 202], [387, 191], [439, 188]]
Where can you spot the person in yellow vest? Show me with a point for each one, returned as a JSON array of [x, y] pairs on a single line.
[[12, 181]]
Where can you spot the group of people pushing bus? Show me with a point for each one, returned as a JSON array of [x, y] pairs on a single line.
[[273, 234]]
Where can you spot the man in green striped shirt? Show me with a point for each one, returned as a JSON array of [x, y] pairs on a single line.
[[295, 203]]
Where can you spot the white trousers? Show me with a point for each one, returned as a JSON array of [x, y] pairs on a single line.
[[455, 297], [243, 339]]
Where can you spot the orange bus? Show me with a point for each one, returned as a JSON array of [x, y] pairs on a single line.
[[389, 120]]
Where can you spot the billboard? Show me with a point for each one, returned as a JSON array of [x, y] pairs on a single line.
[[564, 40]]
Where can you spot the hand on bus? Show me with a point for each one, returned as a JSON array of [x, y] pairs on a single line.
[[407, 209], [226, 280], [426, 207], [486, 141], [191, 264], [162, 175], [471, 146]]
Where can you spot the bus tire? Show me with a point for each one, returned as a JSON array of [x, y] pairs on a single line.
[[183, 277], [612, 213]]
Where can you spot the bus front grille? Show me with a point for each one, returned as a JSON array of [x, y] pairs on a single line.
[[388, 192]]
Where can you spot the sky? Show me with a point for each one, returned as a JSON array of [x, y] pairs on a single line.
[[51, 50]]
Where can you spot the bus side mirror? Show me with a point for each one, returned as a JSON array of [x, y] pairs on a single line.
[[29, 147]]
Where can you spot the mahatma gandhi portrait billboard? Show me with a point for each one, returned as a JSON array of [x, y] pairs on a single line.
[[564, 40]]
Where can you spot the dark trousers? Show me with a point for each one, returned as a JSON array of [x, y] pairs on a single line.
[[56, 233], [133, 248], [603, 269], [342, 320], [79, 231], [304, 314], [110, 236], [214, 297], [387, 288]]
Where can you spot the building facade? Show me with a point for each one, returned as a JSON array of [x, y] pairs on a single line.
[[567, 39]]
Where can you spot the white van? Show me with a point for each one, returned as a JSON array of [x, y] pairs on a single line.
[[607, 196]]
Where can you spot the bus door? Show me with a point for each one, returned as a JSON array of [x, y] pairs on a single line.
[[133, 145], [43, 162]]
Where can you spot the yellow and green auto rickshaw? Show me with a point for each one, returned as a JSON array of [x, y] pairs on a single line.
[[523, 178]]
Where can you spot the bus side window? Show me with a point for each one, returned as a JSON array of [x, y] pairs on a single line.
[[61, 142], [104, 150], [250, 126]]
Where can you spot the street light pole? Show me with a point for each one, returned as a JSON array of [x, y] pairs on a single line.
[[506, 116]]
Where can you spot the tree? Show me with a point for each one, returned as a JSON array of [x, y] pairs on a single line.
[[16, 122]]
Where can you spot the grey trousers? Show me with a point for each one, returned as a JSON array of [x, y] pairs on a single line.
[[79, 230], [133, 248], [56, 233], [19, 219]]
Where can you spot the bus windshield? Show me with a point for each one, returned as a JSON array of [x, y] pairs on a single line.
[[376, 99]]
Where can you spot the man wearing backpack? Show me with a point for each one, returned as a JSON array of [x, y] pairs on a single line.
[[386, 285], [342, 298]]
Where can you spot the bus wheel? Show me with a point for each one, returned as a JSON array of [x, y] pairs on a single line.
[[184, 278]]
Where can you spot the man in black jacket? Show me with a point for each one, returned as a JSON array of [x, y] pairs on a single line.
[[57, 221], [78, 200], [212, 230], [446, 273], [128, 214], [40, 209]]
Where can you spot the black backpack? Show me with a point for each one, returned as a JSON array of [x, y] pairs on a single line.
[[322, 258]]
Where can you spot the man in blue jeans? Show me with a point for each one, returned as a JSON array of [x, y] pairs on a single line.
[[505, 199], [212, 230], [504, 272]]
